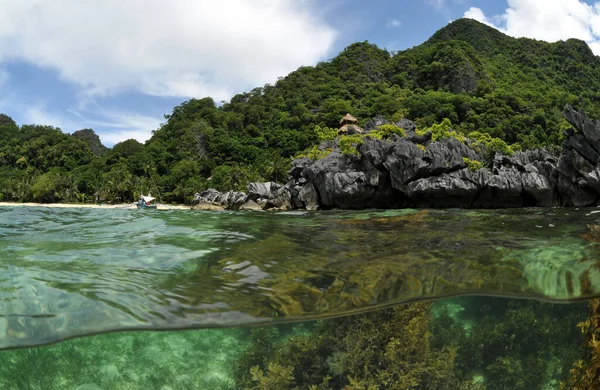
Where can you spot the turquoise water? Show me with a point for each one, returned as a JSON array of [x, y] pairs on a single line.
[[82, 272]]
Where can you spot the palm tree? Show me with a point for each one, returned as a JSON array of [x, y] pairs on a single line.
[[125, 184], [179, 191], [277, 168], [68, 188], [23, 192]]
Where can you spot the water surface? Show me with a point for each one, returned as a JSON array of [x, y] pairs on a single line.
[[74, 272]]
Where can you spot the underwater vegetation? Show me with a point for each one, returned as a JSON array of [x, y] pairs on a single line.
[[383, 349], [585, 374], [196, 359], [469, 343], [510, 344], [280, 267], [465, 343]]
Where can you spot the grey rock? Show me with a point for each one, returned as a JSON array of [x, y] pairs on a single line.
[[207, 196], [229, 200], [281, 198], [419, 139], [416, 171], [445, 190], [584, 126], [408, 162], [297, 167], [406, 124], [266, 190], [374, 123], [309, 197], [251, 205]]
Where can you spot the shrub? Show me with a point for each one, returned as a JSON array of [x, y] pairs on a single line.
[[348, 144], [444, 130], [473, 165], [386, 131]]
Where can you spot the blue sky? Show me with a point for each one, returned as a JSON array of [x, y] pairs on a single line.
[[118, 65]]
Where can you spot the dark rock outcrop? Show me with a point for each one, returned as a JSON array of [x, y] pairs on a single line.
[[229, 200], [414, 171]]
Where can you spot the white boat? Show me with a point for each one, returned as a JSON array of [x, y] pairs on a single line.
[[146, 202]]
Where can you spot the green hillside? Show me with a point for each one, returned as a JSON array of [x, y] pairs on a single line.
[[473, 75]]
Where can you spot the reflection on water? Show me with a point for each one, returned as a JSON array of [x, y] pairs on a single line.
[[351, 300], [459, 343], [75, 272]]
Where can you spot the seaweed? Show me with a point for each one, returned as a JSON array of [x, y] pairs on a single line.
[[388, 349], [469, 343], [510, 344], [195, 359], [585, 373]]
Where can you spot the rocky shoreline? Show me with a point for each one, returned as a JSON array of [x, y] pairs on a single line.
[[415, 171]]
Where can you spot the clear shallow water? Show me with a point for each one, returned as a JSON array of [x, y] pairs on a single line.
[[74, 272], [80, 272], [479, 343]]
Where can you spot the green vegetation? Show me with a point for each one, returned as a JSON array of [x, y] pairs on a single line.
[[585, 373], [386, 349], [468, 79], [348, 144], [444, 130], [197, 359], [386, 131], [475, 343], [471, 343], [491, 145], [473, 165]]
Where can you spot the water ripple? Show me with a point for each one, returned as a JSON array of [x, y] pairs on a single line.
[[73, 272]]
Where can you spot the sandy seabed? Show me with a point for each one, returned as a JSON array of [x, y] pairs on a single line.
[[93, 206]]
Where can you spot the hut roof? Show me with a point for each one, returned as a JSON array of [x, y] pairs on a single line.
[[350, 129], [348, 119]]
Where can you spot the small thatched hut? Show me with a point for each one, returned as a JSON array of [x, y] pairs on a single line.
[[349, 125], [348, 120]]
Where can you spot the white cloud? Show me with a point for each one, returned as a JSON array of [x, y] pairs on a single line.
[[37, 114], [477, 14], [185, 48], [393, 23], [116, 125], [547, 20], [126, 126], [111, 138], [595, 46]]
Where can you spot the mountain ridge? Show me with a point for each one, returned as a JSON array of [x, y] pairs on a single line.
[[468, 73]]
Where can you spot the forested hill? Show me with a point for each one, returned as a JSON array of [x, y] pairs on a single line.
[[473, 75]]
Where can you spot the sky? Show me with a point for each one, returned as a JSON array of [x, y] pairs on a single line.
[[117, 66]]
